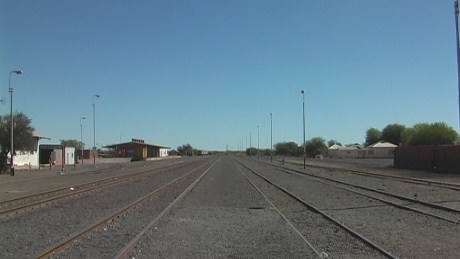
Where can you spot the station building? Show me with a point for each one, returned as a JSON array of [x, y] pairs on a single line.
[[138, 149], [380, 149], [29, 158]]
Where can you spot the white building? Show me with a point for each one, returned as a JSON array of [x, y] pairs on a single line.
[[378, 150], [353, 151], [29, 158], [163, 152], [381, 149]]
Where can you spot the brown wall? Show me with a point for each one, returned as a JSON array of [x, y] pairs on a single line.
[[438, 158]]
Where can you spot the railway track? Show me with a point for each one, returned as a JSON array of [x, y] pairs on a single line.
[[23, 204], [122, 213], [441, 184], [316, 215], [403, 202]]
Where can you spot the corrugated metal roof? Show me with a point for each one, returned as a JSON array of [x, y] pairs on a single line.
[[134, 143], [383, 144]]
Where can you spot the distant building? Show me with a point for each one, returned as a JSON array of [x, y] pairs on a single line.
[[29, 158], [352, 151], [138, 149], [56, 154], [381, 149], [378, 150]]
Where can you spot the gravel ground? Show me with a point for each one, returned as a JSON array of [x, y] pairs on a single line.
[[404, 233], [35, 181], [107, 242], [40, 228], [379, 166], [224, 216], [324, 235], [424, 192]]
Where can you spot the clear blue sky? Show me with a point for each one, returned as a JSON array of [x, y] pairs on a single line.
[[208, 72]]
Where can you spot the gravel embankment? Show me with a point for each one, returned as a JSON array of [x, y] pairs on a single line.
[[107, 242], [324, 235], [224, 216], [30, 233], [404, 233]]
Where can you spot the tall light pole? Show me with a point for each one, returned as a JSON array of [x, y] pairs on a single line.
[[303, 110], [258, 147], [17, 72], [458, 53], [271, 137], [250, 144], [81, 137], [94, 129]]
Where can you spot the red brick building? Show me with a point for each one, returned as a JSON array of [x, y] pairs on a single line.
[[138, 149]]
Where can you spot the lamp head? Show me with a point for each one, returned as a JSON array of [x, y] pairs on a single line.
[[97, 95], [83, 118], [302, 92], [17, 72]]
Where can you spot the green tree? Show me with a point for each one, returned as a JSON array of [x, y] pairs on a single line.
[[288, 149], [23, 136], [438, 133], [185, 150], [70, 143], [251, 151], [315, 146], [265, 152], [373, 135], [393, 133]]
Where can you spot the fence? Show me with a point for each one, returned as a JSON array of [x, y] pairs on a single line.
[[437, 158]]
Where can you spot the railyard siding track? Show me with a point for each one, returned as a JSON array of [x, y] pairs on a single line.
[[325, 215], [38, 200], [454, 213], [132, 244], [314, 249], [223, 217], [113, 217], [367, 173]]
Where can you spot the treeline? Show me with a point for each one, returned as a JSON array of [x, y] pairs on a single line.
[[438, 133], [313, 147]]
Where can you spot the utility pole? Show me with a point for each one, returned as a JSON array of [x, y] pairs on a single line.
[[271, 137], [250, 144], [258, 147], [458, 55], [304, 147]]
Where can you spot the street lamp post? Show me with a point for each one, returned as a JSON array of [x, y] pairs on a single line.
[[271, 137], [94, 129], [250, 144], [258, 147], [303, 110], [17, 72], [81, 138], [458, 50]]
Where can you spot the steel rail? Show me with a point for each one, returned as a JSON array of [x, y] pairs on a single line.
[[112, 217], [447, 185], [388, 202], [85, 188], [279, 212], [424, 203], [96, 171], [6, 203], [325, 215], [128, 247]]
